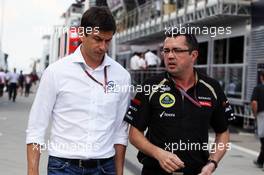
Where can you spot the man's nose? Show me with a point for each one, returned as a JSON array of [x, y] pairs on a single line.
[[103, 46], [171, 55]]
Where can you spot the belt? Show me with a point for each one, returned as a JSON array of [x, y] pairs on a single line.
[[86, 163], [177, 173]]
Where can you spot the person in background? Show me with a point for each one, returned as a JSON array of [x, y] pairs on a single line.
[[2, 81], [142, 62], [152, 60], [28, 84], [257, 104], [21, 82], [7, 73], [134, 60], [13, 85]]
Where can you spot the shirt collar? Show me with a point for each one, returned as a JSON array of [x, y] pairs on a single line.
[[197, 77], [78, 58]]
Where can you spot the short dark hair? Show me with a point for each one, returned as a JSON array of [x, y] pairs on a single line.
[[261, 74], [190, 38], [99, 17]]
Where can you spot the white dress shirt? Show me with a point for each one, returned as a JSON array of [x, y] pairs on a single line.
[[134, 62], [86, 122], [12, 77], [152, 59]]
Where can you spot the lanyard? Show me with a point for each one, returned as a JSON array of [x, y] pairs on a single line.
[[98, 82], [195, 102]]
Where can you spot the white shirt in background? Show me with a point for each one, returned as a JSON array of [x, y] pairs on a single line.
[[28, 79], [152, 59], [2, 77], [12, 77], [134, 62], [142, 63]]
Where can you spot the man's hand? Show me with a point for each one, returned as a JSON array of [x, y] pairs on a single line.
[[208, 169], [168, 161]]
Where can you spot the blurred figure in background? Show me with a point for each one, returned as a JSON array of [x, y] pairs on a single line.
[[13, 85], [152, 60], [34, 78], [6, 80], [142, 62], [21, 81], [134, 60], [134, 67], [27, 85], [257, 104], [2, 81]]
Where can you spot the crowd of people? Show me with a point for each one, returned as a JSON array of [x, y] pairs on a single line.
[[13, 83]]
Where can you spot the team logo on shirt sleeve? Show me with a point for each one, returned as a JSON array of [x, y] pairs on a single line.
[[167, 100]]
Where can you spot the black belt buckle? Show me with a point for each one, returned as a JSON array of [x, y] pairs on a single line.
[[91, 163], [80, 163], [177, 173], [87, 163]]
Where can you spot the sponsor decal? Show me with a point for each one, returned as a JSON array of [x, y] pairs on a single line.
[[165, 88], [205, 103], [164, 114], [167, 100], [204, 98], [133, 108], [129, 117], [136, 101]]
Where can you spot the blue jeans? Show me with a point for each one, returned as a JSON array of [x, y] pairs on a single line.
[[57, 166]]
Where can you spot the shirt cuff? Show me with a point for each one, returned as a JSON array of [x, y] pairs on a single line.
[[122, 140], [35, 140]]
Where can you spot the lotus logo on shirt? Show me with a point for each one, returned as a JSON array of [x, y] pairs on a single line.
[[167, 100]]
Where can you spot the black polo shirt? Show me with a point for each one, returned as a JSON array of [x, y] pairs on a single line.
[[258, 95], [173, 121]]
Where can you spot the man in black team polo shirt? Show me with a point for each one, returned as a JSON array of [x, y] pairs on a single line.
[[177, 115]]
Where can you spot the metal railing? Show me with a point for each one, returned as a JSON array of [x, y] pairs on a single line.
[[146, 19], [230, 78], [139, 76]]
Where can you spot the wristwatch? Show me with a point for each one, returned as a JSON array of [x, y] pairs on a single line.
[[212, 161]]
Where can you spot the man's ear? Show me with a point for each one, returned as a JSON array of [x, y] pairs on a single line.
[[81, 33], [194, 55]]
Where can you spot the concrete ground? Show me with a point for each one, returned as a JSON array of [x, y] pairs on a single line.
[[13, 123]]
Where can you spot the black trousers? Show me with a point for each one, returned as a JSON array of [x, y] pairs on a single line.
[[12, 91], [260, 159], [1, 89], [151, 171], [160, 171]]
